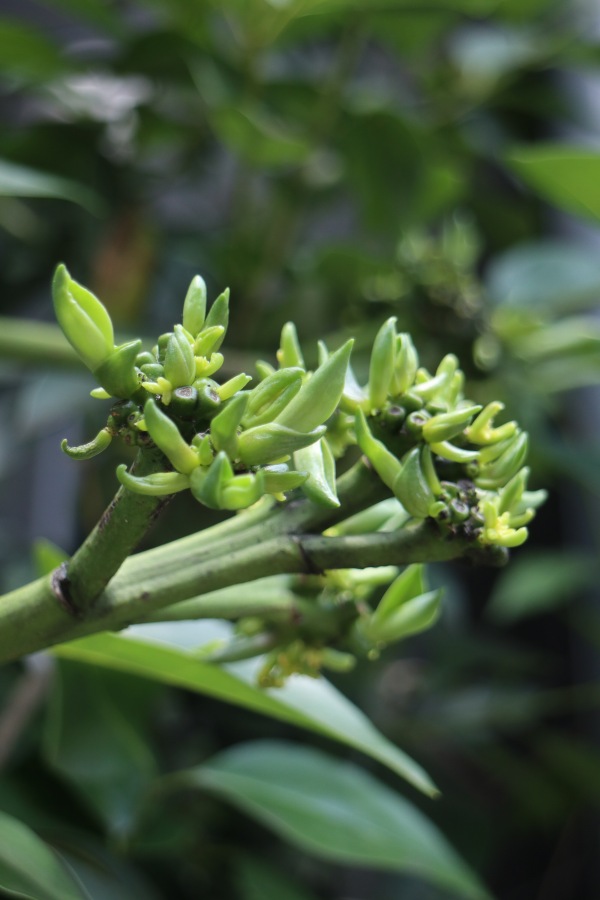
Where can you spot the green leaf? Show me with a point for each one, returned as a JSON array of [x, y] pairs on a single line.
[[94, 744], [563, 174], [28, 868], [257, 880], [305, 702], [549, 276], [21, 181], [258, 138], [539, 583], [27, 53], [334, 810]]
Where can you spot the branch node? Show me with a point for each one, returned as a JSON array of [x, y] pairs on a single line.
[[61, 588], [311, 568]]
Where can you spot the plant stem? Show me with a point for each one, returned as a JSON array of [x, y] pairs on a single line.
[[120, 529], [31, 619]]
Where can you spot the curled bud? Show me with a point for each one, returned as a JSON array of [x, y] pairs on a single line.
[[157, 484], [91, 449], [383, 461], [165, 434]]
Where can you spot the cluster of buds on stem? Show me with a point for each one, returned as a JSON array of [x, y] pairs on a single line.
[[440, 455]]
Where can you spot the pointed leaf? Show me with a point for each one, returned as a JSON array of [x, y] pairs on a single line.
[[334, 810], [306, 702], [28, 868]]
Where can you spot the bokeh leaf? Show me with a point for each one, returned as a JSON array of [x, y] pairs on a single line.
[[333, 810], [538, 583], [566, 175], [305, 702], [28, 868], [21, 181]]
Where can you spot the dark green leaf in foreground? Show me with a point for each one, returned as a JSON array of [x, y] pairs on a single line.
[[334, 810], [305, 702], [28, 868]]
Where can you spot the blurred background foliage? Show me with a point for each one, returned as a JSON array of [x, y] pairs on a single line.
[[334, 162]]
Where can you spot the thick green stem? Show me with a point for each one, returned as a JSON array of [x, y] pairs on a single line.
[[34, 617], [122, 526]]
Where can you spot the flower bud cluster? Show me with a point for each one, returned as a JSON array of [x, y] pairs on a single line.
[[229, 446], [441, 455]]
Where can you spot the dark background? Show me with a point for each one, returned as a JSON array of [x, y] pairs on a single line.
[[334, 163]]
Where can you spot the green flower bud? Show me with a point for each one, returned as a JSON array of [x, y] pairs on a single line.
[[207, 340], [118, 373], [482, 432], [231, 387], [452, 453], [405, 366], [289, 354], [145, 358], [413, 490], [406, 608], [165, 434], [501, 470], [207, 485], [180, 365], [273, 442], [447, 425], [279, 479], [83, 319], [271, 396], [219, 315], [318, 462], [427, 387], [385, 463], [243, 491], [263, 369], [153, 370], [203, 446], [353, 396], [155, 485], [91, 449], [497, 529], [224, 426], [319, 396], [412, 617], [163, 343], [381, 369], [194, 306], [511, 494]]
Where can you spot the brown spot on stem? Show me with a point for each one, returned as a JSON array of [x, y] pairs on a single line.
[[61, 588]]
